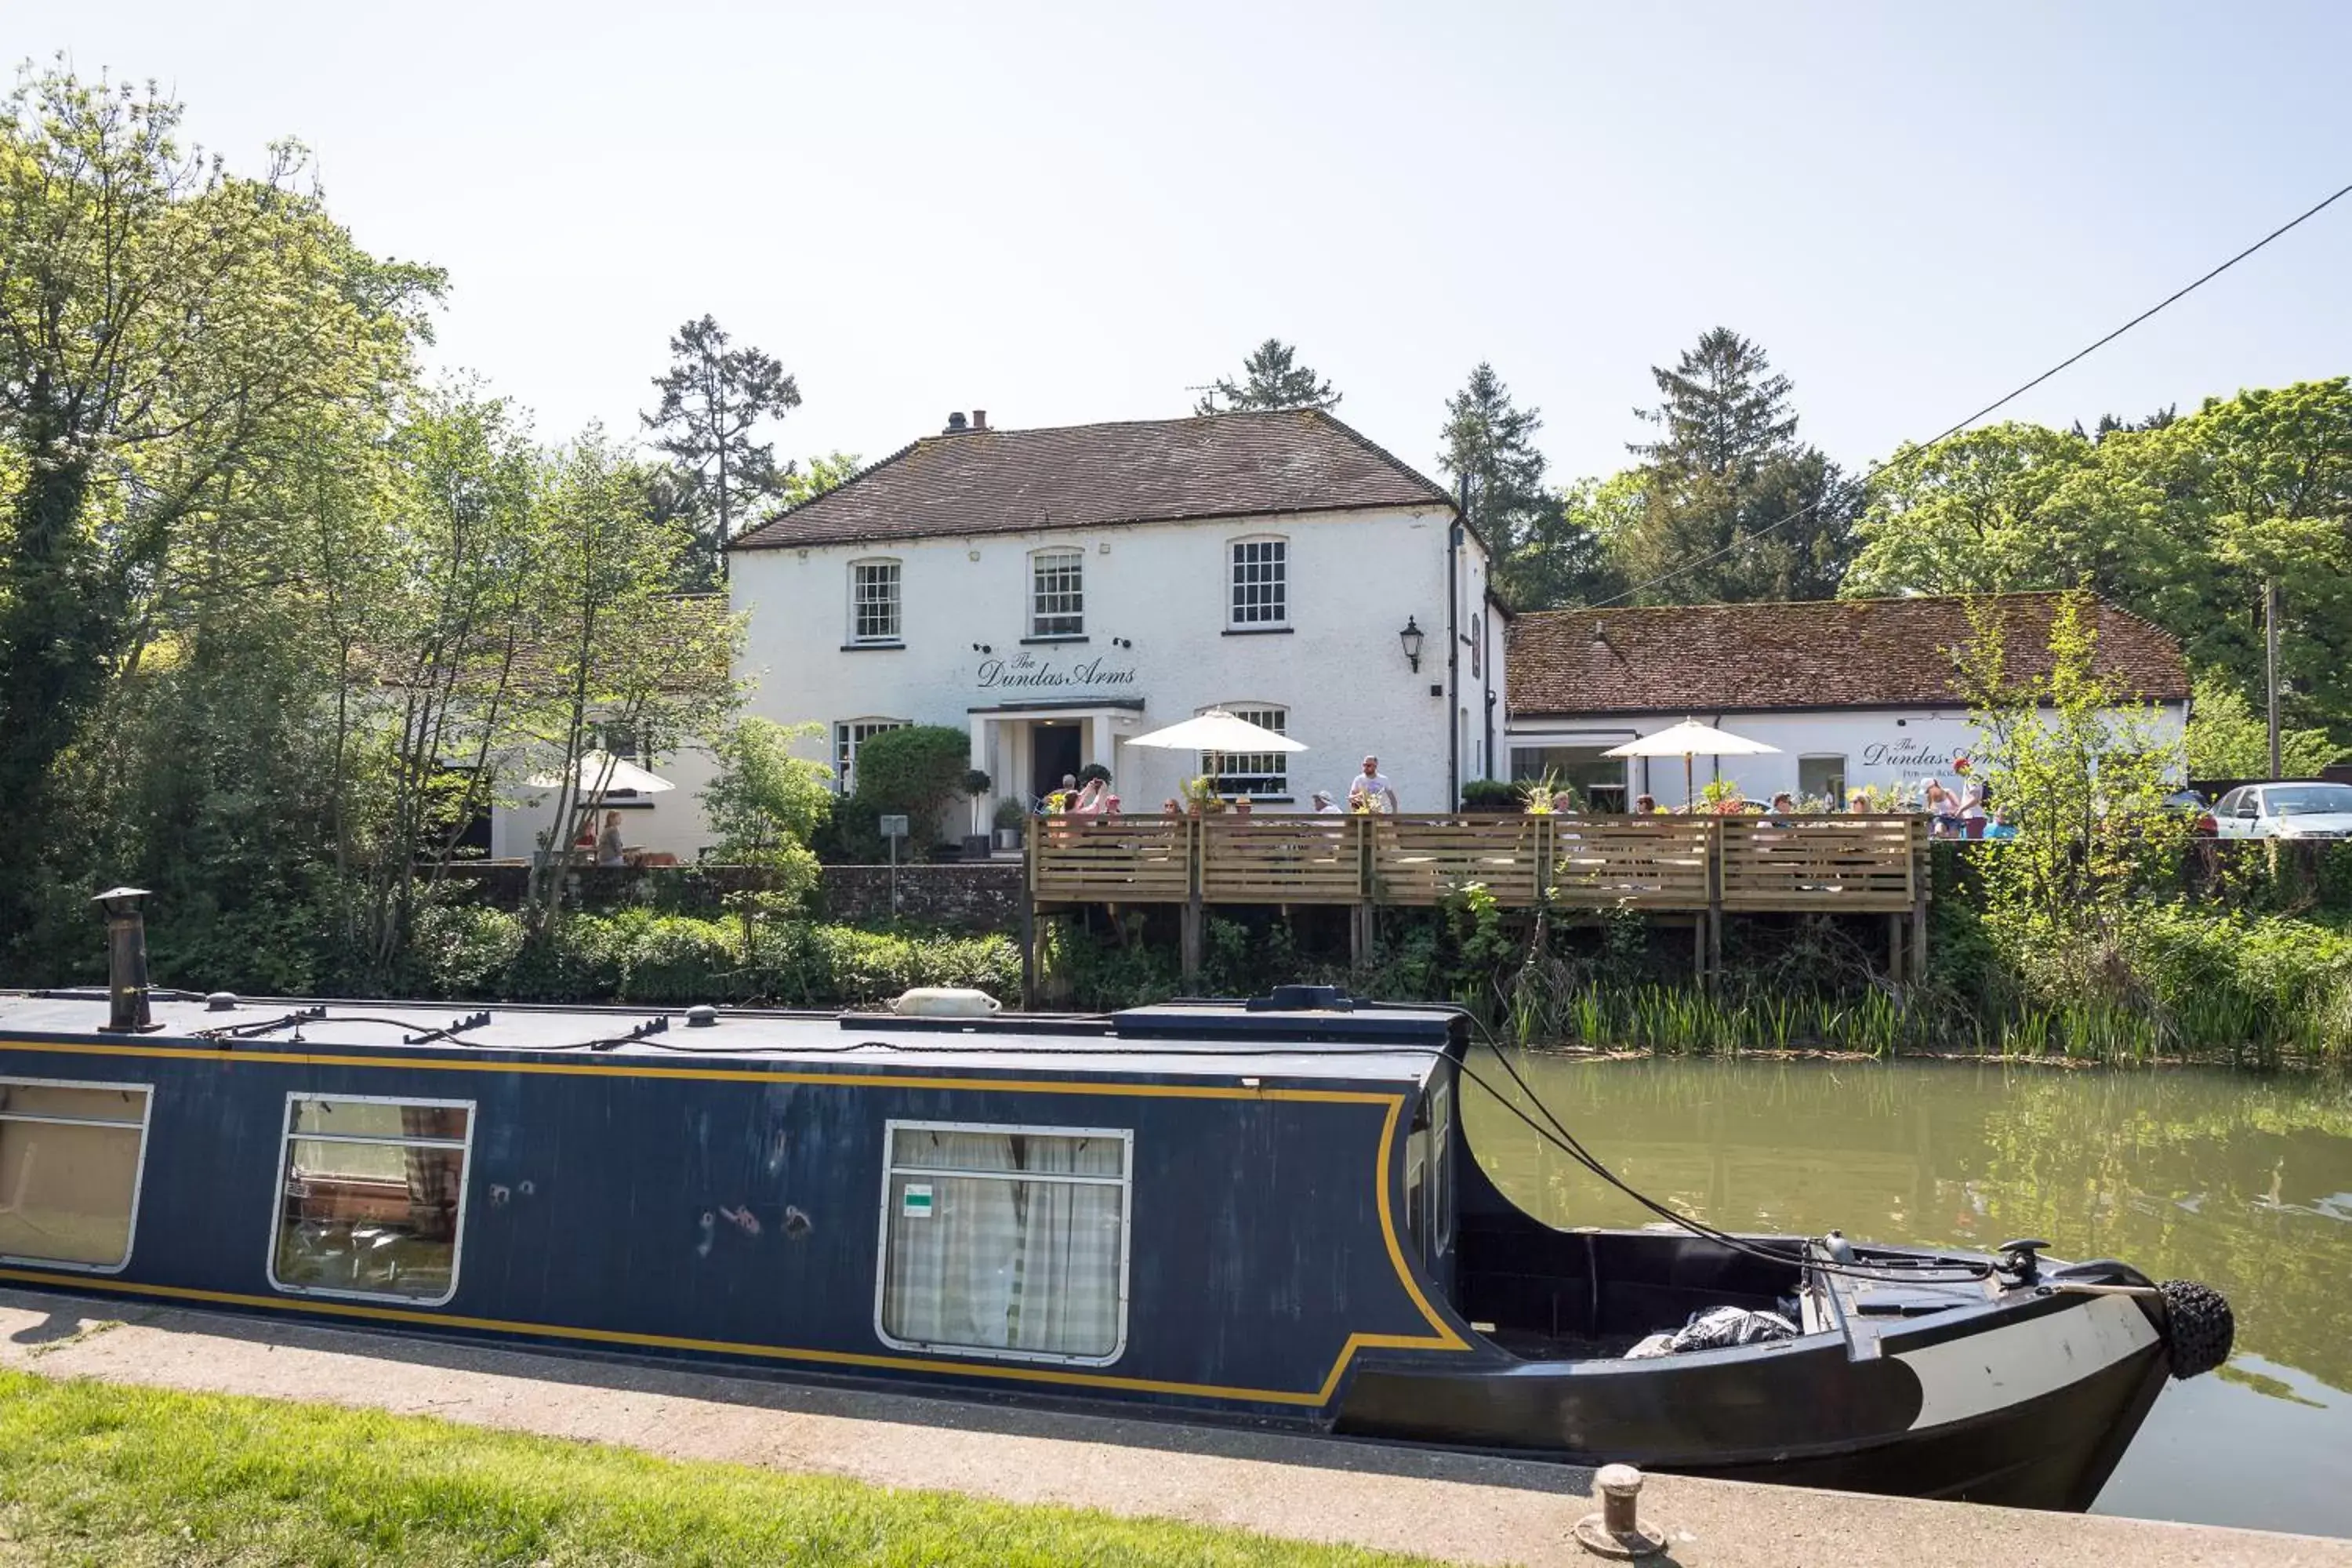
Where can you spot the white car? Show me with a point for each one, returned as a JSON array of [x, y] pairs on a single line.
[[2306, 810]]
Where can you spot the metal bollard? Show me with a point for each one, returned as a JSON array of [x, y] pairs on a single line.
[[1617, 1529]]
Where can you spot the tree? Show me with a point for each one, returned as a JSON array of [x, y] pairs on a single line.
[[2075, 761], [614, 651], [168, 332], [1734, 508], [2228, 740], [1545, 553], [712, 398], [428, 582], [2009, 508], [765, 804], [1723, 411], [1270, 379], [828, 471], [2180, 520]]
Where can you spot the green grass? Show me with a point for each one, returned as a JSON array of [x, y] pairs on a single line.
[[95, 1474]]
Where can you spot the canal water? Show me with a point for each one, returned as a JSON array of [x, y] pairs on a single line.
[[2243, 1181]]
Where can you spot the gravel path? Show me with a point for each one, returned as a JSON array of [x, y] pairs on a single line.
[[1457, 1507]]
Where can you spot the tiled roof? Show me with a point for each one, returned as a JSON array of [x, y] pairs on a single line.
[[1080, 476], [1828, 652]]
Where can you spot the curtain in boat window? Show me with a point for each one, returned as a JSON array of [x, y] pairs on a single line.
[[70, 1160], [1005, 1241]]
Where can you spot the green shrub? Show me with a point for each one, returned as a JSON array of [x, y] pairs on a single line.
[[459, 951], [915, 771], [1489, 795]]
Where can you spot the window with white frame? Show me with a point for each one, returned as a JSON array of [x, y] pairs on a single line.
[[873, 607], [1259, 583], [1255, 774], [70, 1157], [1057, 596], [372, 1197], [1005, 1241], [847, 736], [1822, 776]]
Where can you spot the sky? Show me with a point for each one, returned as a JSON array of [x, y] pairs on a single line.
[[1063, 214]]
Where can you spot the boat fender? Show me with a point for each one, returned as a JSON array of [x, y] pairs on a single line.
[[944, 1002], [2199, 1327], [1838, 1248]]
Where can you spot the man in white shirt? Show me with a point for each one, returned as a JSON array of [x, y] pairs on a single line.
[[1373, 791]]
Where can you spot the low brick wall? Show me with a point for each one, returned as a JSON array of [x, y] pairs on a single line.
[[977, 896]]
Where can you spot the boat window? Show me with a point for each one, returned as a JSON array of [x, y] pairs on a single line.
[[371, 1199], [1441, 1159], [70, 1156], [1007, 1241], [1416, 1183]]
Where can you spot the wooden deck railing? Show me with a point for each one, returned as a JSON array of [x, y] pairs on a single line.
[[1684, 863]]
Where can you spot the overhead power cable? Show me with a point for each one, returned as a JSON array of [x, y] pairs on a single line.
[[1926, 446]]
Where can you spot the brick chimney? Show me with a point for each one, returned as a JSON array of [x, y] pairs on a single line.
[[980, 419]]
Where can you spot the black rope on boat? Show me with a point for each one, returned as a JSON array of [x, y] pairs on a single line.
[[1560, 1138]]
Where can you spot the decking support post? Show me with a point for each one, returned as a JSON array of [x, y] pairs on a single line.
[[1714, 918], [1921, 876], [1188, 943], [1028, 955], [1029, 917], [1894, 946]]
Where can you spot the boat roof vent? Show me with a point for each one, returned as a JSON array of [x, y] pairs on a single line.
[[1304, 999]]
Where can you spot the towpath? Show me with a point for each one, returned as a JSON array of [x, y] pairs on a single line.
[[1453, 1506]]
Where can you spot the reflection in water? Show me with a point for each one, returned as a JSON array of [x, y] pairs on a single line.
[[2243, 1183]]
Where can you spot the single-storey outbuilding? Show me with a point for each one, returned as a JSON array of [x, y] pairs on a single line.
[[1854, 693]]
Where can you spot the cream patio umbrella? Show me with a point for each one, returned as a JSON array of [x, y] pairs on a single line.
[[601, 772], [1688, 739], [1217, 733]]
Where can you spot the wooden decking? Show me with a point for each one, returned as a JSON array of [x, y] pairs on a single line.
[[1696, 867]]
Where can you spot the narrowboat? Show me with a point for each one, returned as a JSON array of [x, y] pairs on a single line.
[[1259, 1212]]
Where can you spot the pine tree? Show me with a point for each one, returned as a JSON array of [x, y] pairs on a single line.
[[1724, 412], [1543, 557], [712, 398], [1270, 379], [1734, 508]]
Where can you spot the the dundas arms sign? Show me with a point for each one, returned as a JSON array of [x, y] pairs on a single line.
[[1027, 672]]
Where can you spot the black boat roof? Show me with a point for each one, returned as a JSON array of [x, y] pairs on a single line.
[[1222, 1040]]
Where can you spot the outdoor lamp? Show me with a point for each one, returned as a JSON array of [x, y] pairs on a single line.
[[1411, 638]]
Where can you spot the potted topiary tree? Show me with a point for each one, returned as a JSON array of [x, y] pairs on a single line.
[[1010, 817], [976, 786]]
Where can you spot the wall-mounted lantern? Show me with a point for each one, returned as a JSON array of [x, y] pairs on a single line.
[[1411, 638]]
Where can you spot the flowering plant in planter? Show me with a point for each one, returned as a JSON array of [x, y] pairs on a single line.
[[1200, 795]]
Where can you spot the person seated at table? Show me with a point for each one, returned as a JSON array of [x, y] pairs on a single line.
[[1645, 806], [1325, 805], [1563, 803], [1171, 806], [609, 849], [1995, 827], [1784, 802]]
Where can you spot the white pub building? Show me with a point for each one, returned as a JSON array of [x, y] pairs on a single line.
[[1057, 592]]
